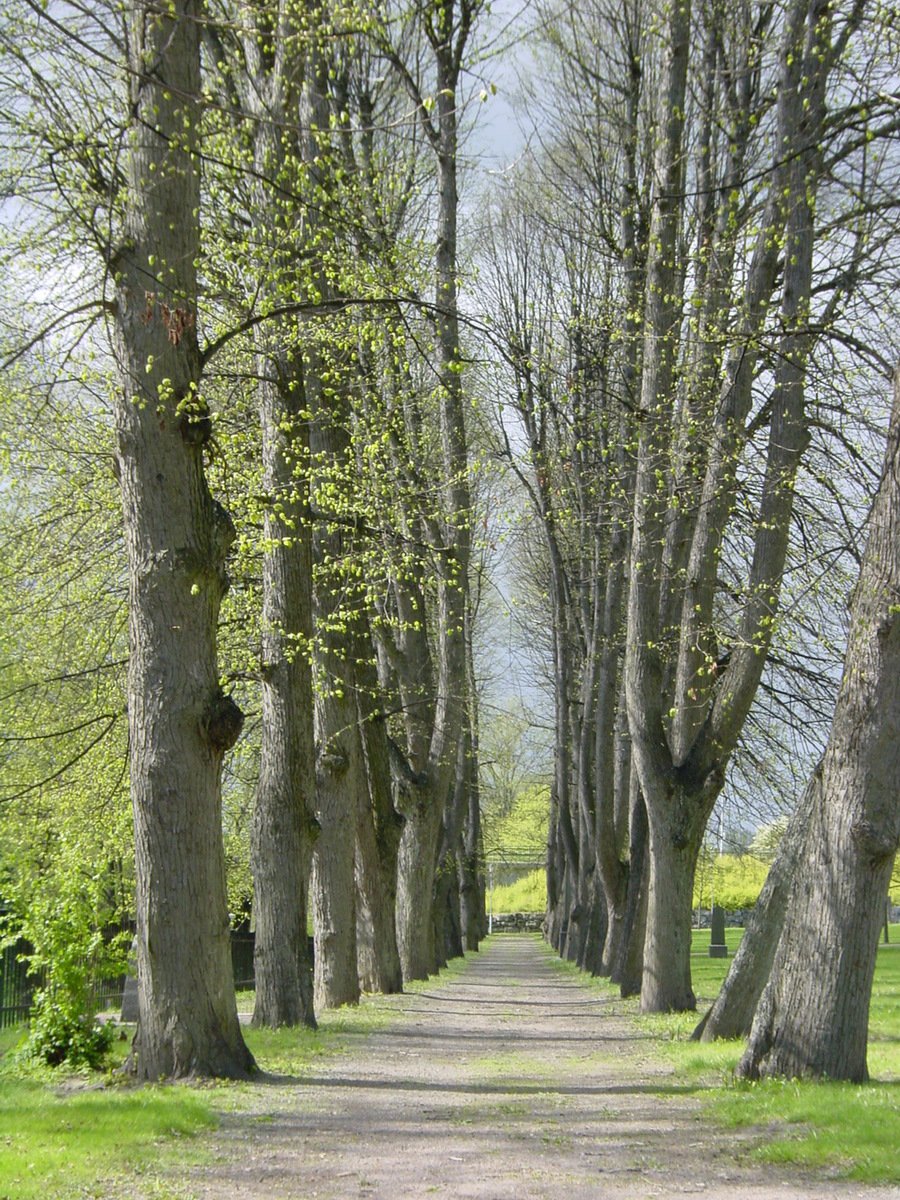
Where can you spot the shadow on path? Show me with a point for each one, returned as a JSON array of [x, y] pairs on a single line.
[[508, 1081]]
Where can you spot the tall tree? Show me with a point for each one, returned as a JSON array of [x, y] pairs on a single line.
[[813, 1016], [687, 701], [177, 537], [444, 28]]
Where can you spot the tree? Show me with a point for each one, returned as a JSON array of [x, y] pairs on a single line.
[[177, 536], [436, 713], [812, 1018], [66, 880], [687, 701]]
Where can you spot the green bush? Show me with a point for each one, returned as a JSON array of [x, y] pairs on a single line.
[[733, 881], [60, 1033]]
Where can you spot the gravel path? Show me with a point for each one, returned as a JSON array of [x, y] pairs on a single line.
[[511, 1080]]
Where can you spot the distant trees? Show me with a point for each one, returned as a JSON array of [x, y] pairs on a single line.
[[674, 411]]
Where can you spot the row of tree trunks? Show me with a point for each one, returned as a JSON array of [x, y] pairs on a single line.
[[688, 393], [182, 723]]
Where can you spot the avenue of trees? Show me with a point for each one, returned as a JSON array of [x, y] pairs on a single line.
[[285, 373]]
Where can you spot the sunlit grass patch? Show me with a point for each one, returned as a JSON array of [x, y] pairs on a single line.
[[74, 1142], [849, 1129], [66, 1135]]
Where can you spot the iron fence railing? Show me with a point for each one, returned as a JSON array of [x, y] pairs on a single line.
[[18, 984]]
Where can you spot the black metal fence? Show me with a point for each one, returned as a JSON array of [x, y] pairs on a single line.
[[18, 985]]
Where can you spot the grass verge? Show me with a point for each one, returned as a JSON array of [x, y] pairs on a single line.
[[846, 1130], [76, 1139], [64, 1135]]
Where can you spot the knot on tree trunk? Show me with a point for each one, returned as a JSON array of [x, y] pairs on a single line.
[[225, 532], [877, 844], [195, 428], [223, 722], [333, 760]]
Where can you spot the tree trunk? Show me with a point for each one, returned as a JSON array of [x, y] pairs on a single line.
[[628, 966], [378, 831], [813, 1016], [340, 789], [284, 827], [471, 851], [666, 949], [177, 537], [283, 824], [674, 846], [731, 1016], [415, 886]]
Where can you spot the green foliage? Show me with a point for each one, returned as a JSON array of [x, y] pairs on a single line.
[[528, 894], [767, 839], [61, 1031], [72, 951], [65, 822], [732, 881], [515, 811], [521, 832]]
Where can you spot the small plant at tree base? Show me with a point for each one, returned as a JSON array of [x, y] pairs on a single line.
[[69, 951], [63, 1033]]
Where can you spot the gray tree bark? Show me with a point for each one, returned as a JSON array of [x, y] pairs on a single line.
[[340, 789], [284, 828], [177, 537], [731, 1016], [377, 841], [447, 28], [812, 1018]]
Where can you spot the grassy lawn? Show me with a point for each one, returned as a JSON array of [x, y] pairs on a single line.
[[65, 1135], [848, 1130]]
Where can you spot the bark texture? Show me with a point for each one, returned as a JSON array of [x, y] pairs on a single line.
[[283, 824], [812, 1018], [284, 827], [177, 537], [731, 1016], [378, 829]]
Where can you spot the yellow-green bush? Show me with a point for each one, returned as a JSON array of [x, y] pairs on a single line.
[[731, 880]]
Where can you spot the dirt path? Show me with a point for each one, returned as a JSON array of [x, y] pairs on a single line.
[[509, 1081]]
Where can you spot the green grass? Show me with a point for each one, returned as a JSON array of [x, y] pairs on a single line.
[[528, 894], [61, 1144], [848, 1130], [66, 1135], [845, 1130]]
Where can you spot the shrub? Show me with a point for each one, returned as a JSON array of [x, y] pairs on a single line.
[[733, 881], [60, 1033]]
